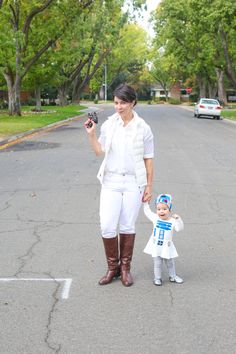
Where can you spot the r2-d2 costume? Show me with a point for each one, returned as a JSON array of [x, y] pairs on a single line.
[[160, 245]]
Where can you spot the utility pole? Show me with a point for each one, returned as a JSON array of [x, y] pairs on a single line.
[[105, 85]]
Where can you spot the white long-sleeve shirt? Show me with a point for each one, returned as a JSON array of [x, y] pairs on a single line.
[[160, 242]]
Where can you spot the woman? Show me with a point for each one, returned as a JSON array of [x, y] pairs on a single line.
[[126, 174]]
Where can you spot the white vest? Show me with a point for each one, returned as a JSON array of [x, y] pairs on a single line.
[[138, 148]]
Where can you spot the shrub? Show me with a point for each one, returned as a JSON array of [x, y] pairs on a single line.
[[174, 101], [3, 104], [193, 97]]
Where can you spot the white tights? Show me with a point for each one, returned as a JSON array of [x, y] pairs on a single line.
[[158, 261]]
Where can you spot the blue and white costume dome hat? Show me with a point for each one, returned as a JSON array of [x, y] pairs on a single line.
[[165, 199]]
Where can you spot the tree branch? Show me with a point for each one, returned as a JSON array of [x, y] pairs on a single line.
[[38, 55], [78, 69], [89, 75], [15, 14], [30, 17], [86, 4]]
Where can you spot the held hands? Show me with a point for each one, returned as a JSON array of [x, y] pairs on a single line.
[[147, 195]]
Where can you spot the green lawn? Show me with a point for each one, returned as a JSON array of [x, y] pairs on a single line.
[[229, 114], [11, 125]]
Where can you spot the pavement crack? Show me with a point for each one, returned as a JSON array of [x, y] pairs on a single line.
[[56, 348], [171, 298], [6, 206], [29, 253]]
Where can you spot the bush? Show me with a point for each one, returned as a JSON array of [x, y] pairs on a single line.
[[174, 101], [31, 101], [86, 96], [193, 97], [3, 104]]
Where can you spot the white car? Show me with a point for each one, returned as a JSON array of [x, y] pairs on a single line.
[[207, 107]]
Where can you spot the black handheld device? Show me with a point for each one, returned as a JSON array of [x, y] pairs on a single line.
[[93, 116]]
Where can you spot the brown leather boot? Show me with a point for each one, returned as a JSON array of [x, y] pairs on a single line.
[[126, 252], [111, 251]]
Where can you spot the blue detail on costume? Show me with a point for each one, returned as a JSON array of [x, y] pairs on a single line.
[[161, 227], [159, 230], [161, 237], [161, 234], [164, 225]]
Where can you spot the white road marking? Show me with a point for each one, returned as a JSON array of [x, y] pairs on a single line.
[[66, 287]]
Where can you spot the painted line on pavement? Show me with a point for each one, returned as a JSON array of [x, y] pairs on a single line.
[[66, 287]]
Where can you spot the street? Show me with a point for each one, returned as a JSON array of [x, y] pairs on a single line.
[[52, 254]]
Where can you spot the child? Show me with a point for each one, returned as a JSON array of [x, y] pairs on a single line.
[[160, 245]]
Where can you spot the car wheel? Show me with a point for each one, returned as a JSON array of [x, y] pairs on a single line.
[[218, 117]]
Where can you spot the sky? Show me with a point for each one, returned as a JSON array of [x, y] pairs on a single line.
[[151, 5]]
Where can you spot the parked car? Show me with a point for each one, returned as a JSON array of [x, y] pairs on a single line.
[[207, 107]]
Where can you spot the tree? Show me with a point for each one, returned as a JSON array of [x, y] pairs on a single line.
[[164, 71], [202, 39], [81, 52], [107, 32], [27, 31], [129, 56]]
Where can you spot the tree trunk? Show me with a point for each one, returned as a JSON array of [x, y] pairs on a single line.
[[167, 95], [78, 95], [77, 90], [221, 85], [62, 94], [202, 87], [13, 88], [229, 70], [38, 98], [212, 89]]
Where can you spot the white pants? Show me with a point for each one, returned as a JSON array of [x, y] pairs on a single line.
[[158, 261], [120, 202]]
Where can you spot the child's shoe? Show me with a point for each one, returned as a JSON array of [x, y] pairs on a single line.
[[157, 282], [176, 279]]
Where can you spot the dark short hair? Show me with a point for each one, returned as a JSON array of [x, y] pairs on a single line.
[[125, 93]]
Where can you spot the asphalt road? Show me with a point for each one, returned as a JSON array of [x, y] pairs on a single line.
[[49, 236]]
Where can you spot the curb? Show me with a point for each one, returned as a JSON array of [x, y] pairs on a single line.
[[14, 139]]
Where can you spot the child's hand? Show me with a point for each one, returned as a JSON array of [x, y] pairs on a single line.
[[147, 195], [175, 216]]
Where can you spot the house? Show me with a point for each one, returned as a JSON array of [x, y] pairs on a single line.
[[24, 96], [158, 92]]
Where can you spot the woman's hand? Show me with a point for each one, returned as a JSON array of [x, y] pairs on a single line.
[[175, 216], [147, 194], [90, 126]]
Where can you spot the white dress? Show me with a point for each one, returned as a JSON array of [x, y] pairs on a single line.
[[160, 242]]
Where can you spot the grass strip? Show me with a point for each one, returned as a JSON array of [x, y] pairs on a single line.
[[229, 114], [11, 125]]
